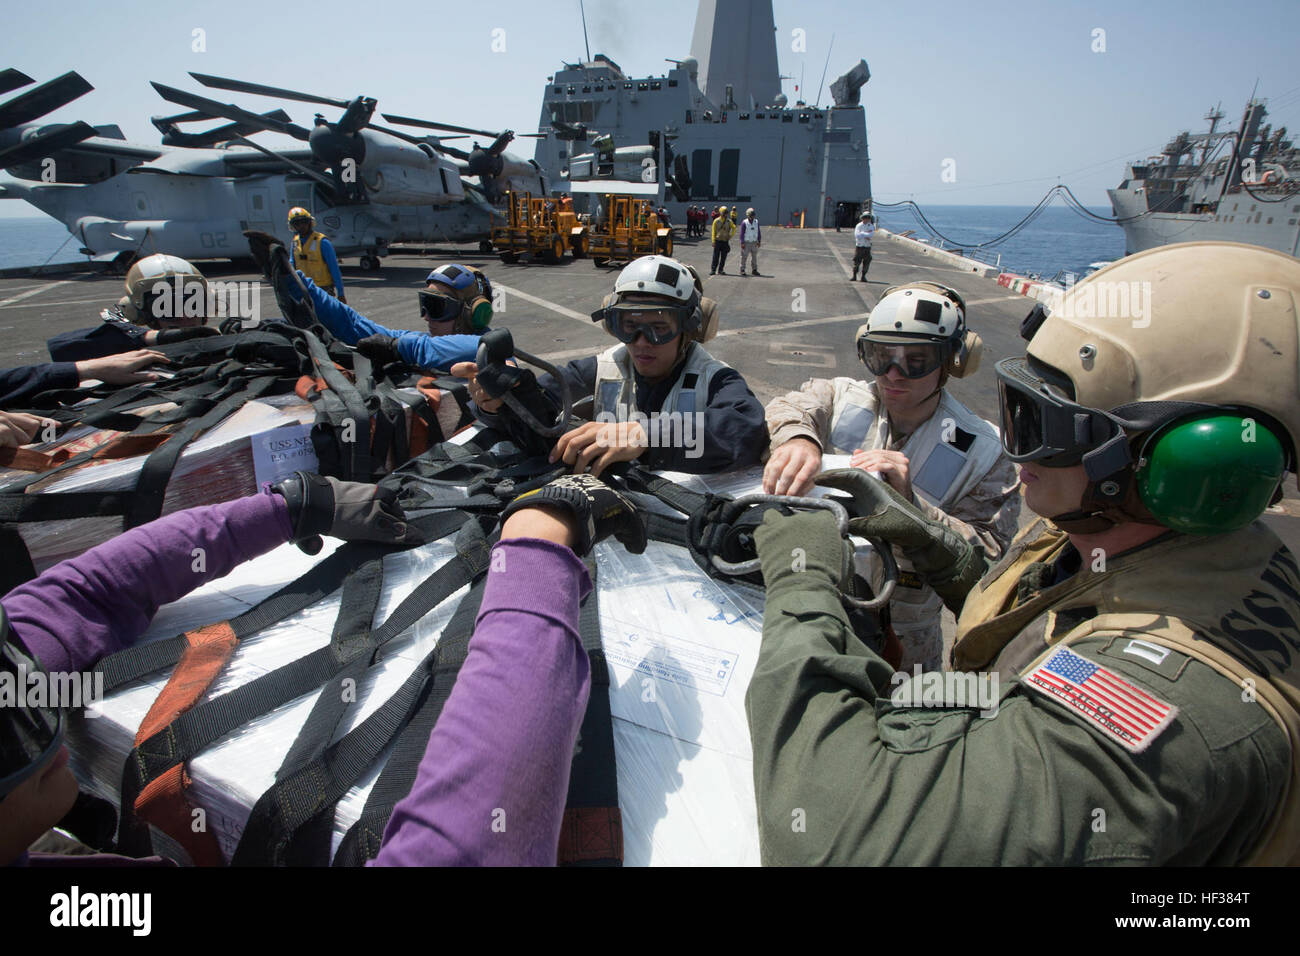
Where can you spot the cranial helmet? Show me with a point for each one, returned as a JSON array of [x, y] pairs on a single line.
[[1173, 376], [160, 287], [297, 212], [922, 311], [671, 280], [471, 291]]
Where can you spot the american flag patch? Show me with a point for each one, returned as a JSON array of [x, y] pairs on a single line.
[[1129, 715]]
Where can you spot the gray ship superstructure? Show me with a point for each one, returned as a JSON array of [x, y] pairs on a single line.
[[723, 113], [1238, 186]]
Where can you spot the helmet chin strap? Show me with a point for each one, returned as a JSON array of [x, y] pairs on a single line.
[[1098, 512]]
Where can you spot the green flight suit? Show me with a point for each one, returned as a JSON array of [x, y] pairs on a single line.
[[843, 775]]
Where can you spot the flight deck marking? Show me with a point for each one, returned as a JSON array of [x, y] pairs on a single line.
[[558, 309], [31, 292]]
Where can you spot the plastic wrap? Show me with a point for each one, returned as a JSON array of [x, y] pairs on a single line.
[[681, 649], [217, 466]]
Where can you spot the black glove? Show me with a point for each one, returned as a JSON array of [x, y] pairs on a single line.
[[261, 245], [597, 509], [273, 259], [168, 336], [379, 348], [349, 510]]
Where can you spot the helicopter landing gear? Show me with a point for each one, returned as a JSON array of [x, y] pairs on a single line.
[[485, 245], [370, 263], [122, 261]]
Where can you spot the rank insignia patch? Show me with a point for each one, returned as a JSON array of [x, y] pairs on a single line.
[[1127, 714]]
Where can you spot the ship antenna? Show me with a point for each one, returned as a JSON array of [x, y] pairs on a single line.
[[824, 69], [583, 11]]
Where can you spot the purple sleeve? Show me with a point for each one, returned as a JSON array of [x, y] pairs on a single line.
[[492, 784], [101, 601]]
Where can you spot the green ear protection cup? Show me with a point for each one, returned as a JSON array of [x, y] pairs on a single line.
[[1210, 475], [480, 315]]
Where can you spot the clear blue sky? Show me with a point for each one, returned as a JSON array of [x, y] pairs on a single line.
[[1011, 91]]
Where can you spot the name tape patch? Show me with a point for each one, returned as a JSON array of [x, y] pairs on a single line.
[[1127, 714]]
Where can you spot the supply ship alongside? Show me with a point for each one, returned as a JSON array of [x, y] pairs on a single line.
[[725, 119], [1235, 186]]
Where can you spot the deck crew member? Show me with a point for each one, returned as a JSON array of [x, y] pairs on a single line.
[[166, 301], [751, 237], [862, 235], [660, 371], [313, 254], [721, 233], [905, 426], [1146, 632]]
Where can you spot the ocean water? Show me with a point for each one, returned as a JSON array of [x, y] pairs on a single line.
[[1059, 239], [36, 241]]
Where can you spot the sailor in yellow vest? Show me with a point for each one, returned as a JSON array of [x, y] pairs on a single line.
[[1145, 634], [905, 426], [313, 255]]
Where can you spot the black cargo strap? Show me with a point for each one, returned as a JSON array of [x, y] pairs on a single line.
[[362, 840], [301, 791]]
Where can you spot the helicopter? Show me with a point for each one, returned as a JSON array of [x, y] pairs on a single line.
[[193, 197], [634, 164]]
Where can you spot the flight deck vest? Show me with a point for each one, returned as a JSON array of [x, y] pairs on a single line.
[[615, 392], [308, 259], [1222, 599], [948, 455]]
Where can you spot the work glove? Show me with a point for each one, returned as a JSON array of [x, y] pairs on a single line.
[[170, 336], [273, 259], [350, 510], [948, 562], [379, 348], [597, 511], [791, 546]]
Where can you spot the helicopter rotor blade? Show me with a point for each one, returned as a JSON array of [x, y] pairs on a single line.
[[164, 123], [296, 166], [12, 79], [453, 151], [43, 99], [240, 86], [427, 124], [229, 111], [416, 140], [46, 143]]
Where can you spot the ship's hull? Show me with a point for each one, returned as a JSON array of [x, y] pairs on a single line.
[[1240, 218]]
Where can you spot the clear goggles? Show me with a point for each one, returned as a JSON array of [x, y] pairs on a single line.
[[1040, 424], [660, 325], [438, 308], [912, 361]]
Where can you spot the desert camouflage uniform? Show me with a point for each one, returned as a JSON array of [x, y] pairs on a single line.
[[983, 508]]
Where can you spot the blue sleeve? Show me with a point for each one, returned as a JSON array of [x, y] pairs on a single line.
[[107, 338], [435, 351], [735, 432], [292, 261], [343, 320], [19, 385], [332, 263]]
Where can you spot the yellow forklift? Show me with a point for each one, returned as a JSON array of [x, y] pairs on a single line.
[[540, 228], [627, 228]]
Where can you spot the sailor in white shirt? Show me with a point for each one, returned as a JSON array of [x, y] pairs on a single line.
[[862, 233], [751, 237]]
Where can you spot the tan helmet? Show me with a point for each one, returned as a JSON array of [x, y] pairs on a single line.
[[160, 292], [1212, 322], [1172, 347]]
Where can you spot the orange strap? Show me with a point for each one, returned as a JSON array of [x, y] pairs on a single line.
[[123, 446], [163, 802], [590, 833]]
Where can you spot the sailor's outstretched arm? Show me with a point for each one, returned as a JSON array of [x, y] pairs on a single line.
[[103, 600], [492, 785]]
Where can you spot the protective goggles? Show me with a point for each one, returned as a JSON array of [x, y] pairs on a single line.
[[1040, 424], [659, 325], [29, 735], [300, 221], [438, 308], [913, 361]]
